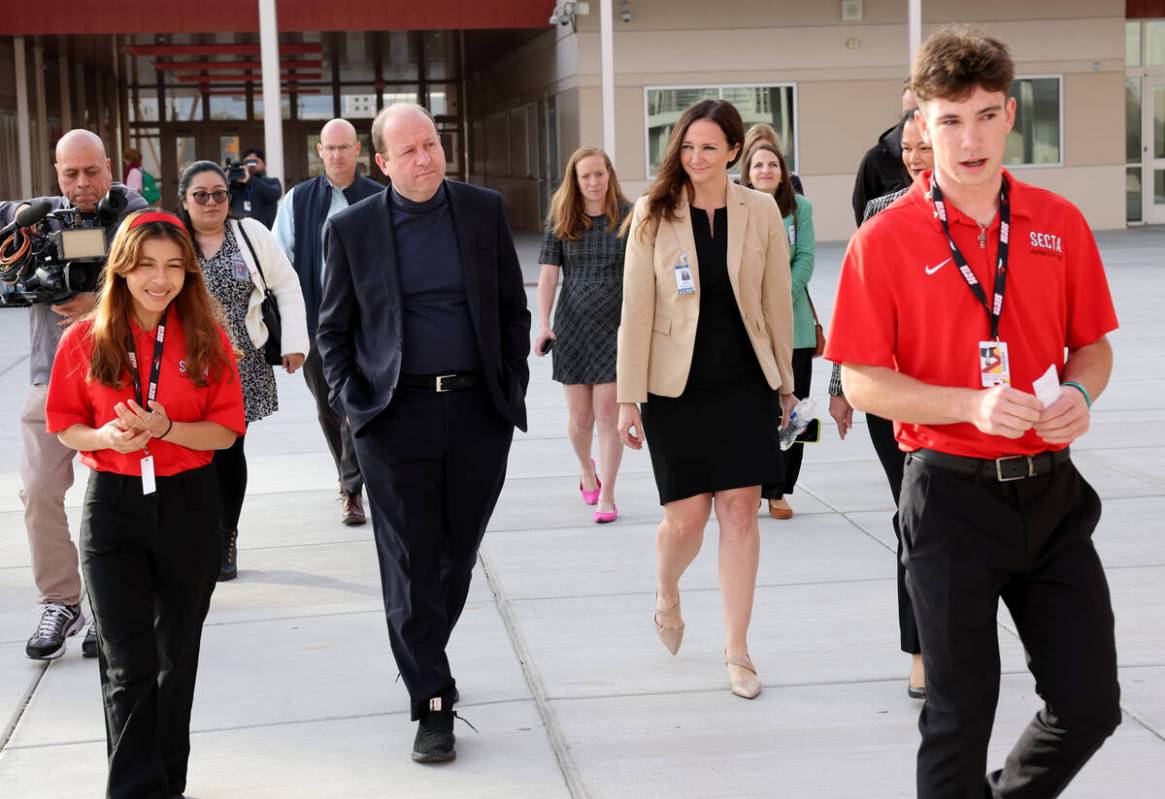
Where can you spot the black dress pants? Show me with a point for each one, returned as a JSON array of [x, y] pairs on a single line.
[[969, 543], [791, 458], [337, 434], [434, 465], [150, 564], [893, 462]]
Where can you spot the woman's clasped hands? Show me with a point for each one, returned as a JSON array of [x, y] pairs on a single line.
[[135, 426]]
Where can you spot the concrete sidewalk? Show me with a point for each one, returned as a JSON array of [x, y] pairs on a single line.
[[558, 665]]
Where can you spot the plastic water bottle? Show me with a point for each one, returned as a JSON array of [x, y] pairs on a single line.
[[799, 419]]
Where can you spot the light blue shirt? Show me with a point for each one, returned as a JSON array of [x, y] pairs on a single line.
[[285, 222]]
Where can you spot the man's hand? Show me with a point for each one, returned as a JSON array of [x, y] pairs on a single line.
[[1066, 419], [842, 413], [1005, 411], [74, 308]]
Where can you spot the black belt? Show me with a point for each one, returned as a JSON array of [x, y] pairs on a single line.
[[441, 383], [1012, 467]]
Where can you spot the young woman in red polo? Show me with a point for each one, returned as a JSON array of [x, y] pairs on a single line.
[[146, 389]]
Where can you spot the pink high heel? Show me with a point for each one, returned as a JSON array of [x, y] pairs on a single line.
[[591, 497], [607, 516]]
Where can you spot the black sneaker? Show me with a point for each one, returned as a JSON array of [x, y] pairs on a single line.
[[434, 742], [89, 644], [57, 622], [230, 556]]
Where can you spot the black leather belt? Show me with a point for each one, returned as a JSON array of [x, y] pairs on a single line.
[[1014, 467], [441, 383]]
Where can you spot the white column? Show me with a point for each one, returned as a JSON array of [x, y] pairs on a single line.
[[915, 28], [23, 133], [272, 102], [607, 56]]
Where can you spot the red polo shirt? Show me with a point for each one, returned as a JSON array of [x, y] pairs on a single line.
[[72, 399], [902, 303]]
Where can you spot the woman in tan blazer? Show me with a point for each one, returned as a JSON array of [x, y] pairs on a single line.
[[704, 370]]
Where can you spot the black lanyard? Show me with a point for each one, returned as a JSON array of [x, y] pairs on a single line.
[[155, 366], [994, 310]]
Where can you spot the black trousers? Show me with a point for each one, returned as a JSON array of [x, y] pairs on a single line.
[[434, 464], [150, 564], [969, 543], [336, 431], [893, 462], [231, 468], [792, 457]]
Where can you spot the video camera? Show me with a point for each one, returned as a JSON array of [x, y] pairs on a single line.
[[51, 265], [236, 171]]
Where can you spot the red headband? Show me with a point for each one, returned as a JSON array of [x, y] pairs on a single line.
[[157, 216]]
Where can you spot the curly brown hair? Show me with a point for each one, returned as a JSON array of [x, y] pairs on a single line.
[[957, 59]]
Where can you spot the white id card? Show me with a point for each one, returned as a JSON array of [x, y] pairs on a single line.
[[149, 485], [247, 206], [994, 365], [684, 282], [1047, 386]]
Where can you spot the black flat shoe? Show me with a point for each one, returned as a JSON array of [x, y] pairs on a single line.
[[915, 692]]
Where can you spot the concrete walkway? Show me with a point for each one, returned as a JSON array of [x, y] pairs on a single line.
[[557, 662]]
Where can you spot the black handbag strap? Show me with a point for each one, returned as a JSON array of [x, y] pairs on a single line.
[[255, 258]]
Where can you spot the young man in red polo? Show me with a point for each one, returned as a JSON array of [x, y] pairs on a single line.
[[974, 311]]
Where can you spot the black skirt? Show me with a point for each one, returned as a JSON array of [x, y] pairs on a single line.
[[713, 439]]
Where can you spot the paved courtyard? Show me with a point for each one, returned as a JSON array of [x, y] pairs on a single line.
[[556, 658]]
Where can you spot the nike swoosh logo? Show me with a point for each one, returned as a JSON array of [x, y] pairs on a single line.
[[930, 270]]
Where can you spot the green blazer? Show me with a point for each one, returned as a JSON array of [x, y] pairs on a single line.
[[802, 243]]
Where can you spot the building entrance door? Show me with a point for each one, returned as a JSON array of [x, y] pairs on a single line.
[[1153, 136]]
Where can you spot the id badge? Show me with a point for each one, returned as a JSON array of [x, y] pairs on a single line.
[[792, 230], [994, 365], [247, 206], [149, 485], [684, 282], [239, 267]]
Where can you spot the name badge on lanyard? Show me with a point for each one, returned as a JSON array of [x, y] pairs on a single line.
[[683, 270], [994, 365], [149, 483]]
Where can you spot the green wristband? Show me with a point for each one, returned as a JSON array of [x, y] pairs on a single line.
[[1081, 389]]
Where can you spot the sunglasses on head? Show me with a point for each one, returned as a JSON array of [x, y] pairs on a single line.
[[203, 197]]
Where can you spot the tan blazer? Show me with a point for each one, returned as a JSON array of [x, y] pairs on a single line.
[[657, 333]]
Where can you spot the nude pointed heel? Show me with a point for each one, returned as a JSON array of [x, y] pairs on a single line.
[[748, 688], [672, 637]]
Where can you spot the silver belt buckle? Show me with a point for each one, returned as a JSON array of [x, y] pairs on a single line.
[[1031, 468], [441, 383]]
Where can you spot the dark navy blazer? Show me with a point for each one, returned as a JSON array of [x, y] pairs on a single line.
[[361, 316]]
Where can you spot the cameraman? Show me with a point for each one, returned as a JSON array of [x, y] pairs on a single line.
[[255, 195], [84, 176]]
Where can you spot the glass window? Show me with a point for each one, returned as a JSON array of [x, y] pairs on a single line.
[[1133, 44], [1159, 186], [183, 105], [398, 55], [440, 54], [228, 148], [1159, 122], [451, 142], [1133, 203], [1035, 139], [228, 106], [1154, 43], [356, 49], [284, 101], [187, 149], [772, 105], [357, 102], [443, 100], [143, 105], [1133, 121], [314, 103], [398, 94]]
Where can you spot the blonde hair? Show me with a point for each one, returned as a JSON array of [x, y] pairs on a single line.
[[568, 218]]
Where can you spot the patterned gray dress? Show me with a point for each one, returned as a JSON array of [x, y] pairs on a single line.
[[586, 319], [229, 281]]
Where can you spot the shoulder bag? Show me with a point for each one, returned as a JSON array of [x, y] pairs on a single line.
[[272, 350]]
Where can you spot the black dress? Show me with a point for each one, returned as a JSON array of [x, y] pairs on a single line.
[[586, 318], [722, 431]]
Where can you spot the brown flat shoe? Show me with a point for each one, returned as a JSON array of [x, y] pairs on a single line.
[[779, 509]]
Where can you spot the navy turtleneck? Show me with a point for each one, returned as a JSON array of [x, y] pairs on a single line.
[[438, 331]]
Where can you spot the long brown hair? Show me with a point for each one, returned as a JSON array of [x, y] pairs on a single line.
[[568, 217], [206, 358], [785, 194], [670, 179]]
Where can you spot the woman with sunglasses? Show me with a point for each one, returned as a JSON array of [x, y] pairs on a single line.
[[145, 388], [240, 260]]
